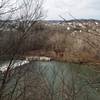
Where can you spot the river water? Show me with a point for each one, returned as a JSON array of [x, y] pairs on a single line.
[[80, 82], [68, 81]]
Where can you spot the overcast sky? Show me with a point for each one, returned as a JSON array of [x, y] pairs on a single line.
[[78, 8]]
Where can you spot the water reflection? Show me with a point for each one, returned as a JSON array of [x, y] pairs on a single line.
[[70, 81], [57, 81]]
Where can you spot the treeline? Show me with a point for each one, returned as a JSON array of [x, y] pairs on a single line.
[[34, 39], [73, 37]]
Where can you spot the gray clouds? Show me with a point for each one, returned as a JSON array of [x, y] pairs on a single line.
[[78, 8]]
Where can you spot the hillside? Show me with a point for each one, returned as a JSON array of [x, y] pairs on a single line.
[[72, 41]]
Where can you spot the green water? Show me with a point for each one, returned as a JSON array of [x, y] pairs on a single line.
[[67, 81], [78, 82]]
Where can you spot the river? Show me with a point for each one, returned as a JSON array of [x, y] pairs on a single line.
[[69, 81]]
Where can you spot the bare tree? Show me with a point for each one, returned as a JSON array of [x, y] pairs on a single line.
[[29, 12]]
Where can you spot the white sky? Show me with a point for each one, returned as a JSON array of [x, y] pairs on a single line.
[[78, 8]]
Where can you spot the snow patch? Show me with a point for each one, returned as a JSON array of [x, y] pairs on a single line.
[[13, 65]]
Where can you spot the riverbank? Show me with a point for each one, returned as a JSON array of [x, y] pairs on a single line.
[[70, 57]]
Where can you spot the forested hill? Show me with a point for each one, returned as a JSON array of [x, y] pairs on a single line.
[[75, 40]]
